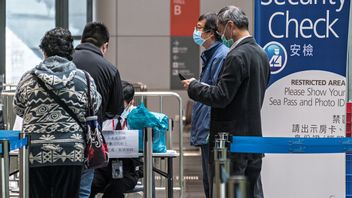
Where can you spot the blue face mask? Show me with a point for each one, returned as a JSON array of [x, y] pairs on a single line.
[[227, 42], [197, 37]]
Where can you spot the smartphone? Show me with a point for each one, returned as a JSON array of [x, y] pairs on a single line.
[[181, 76]]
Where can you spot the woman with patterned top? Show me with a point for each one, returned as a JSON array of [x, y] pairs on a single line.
[[57, 140]]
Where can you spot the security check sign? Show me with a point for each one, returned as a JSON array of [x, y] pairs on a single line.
[[122, 143], [306, 44]]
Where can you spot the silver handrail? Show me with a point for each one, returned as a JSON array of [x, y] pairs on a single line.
[[161, 94], [5, 168], [24, 169], [148, 164], [221, 165]]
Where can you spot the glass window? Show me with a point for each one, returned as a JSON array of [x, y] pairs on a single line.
[[26, 23], [76, 42], [77, 16]]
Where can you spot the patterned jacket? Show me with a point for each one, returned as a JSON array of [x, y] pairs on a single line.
[[56, 138]]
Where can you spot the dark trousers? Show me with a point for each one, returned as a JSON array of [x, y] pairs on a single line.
[[258, 190], [205, 166], [247, 165], [54, 181], [112, 188]]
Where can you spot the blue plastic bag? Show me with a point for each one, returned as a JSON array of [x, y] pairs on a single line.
[[141, 118], [159, 133]]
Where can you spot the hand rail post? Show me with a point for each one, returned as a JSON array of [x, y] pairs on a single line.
[[5, 168], [148, 163]]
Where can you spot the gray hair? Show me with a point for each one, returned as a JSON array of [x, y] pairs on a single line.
[[234, 14]]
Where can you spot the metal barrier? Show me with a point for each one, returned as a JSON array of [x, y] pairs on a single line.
[[252, 144], [12, 140], [5, 168], [225, 185], [221, 166], [290, 145], [9, 115], [148, 163], [24, 169], [148, 182], [8, 97], [237, 187]]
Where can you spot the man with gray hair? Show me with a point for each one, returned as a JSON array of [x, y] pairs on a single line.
[[237, 97]]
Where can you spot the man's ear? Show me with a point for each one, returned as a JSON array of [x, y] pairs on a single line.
[[231, 25], [104, 48]]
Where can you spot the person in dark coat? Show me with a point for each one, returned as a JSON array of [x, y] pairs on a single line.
[[237, 97], [89, 56], [213, 56]]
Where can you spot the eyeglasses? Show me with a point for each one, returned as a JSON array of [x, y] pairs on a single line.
[[199, 28], [202, 29]]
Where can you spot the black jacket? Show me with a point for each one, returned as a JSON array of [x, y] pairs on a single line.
[[88, 57], [237, 98]]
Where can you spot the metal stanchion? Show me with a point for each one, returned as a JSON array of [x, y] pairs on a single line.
[[5, 169], [169, 136], [225, 186], [24, 170], [148, 163], [237, 187], [222, 166]]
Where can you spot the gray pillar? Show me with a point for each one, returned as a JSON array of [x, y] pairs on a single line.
[[106, 12], [2, 36]]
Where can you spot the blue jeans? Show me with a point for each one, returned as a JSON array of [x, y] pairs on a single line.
[[86, 183]]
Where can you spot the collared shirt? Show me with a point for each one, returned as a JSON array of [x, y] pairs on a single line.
[[238, 41], [111, 124], [207, 59], [206, 54]]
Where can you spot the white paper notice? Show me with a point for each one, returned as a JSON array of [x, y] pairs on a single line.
[[122, 143]]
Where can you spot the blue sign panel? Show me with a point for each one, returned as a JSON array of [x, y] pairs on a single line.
[[306, 43], [303, 35]]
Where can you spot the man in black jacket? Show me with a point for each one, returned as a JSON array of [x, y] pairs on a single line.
[[237, 98], [89, 56]]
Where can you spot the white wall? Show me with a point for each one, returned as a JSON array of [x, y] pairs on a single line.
[[140, 40]]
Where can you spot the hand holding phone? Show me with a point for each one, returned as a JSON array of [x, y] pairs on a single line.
[[181, 76]]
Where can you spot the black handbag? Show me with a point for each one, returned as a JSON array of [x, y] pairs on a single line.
[[96, 149]]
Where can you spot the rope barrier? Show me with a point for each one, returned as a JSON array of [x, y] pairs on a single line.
[[14, 139], [250, 144]]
